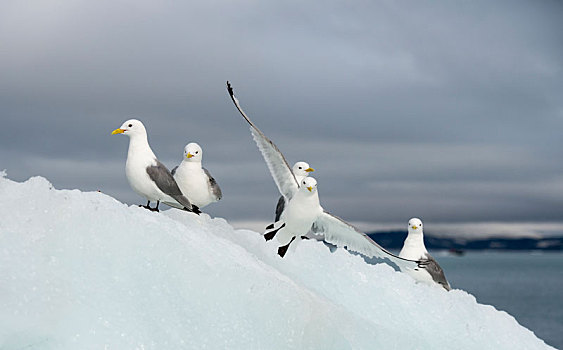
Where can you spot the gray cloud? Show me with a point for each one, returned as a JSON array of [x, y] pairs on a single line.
[[447, 111]]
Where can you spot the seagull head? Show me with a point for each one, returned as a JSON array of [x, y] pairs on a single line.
[[192, 152], [131, 127], [308, 184], [302, 169], [415, 226]]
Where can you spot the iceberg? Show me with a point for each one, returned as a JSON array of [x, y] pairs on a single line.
[[81, 270]]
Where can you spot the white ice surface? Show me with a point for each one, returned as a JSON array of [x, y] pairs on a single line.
[[80, 270]]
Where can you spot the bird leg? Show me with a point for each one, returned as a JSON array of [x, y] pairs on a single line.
[[146, 206], [155, 208], [270, 235], [282, 250]]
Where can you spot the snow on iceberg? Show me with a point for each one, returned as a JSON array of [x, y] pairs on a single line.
[[80, 270]]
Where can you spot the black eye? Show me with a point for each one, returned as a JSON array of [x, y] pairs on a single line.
[[130, 125], [300, 168], [196, 152]]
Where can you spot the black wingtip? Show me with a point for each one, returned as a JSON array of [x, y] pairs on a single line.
[[235, 101], [230, 89], [196, 210]]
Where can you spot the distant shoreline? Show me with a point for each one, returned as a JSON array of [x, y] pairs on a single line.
[[395, 239]]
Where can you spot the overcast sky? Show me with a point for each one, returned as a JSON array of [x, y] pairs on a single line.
[[446, 110]]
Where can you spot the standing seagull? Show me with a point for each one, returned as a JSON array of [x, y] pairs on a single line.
[[428, 271], [300, 170], [146, 175], [194, 180], [303, 212]]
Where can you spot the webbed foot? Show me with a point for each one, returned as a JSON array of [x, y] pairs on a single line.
[[270, 235], [283, 249]]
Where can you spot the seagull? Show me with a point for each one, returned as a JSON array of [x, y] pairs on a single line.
[[303, 212], [300, 170], [194, 180], [428, 270], [298, 216], [146, 175]]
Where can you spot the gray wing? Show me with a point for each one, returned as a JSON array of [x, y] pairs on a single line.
[[342, 234], [279, 208], [215, 189], [277, 164], [166, 183], [174, 170], [433, 268]]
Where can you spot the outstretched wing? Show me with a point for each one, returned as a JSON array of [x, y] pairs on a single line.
[[278, 166], [433, 268], [342, 234]]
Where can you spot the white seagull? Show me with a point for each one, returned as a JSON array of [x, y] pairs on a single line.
[[194, 180], [428, 270], [303, 212], [298, 217], [300, 170], [146, 175]]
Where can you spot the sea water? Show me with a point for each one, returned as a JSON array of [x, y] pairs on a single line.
[[529, 286]]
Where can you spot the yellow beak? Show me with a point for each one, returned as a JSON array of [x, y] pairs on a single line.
[[414, 227], [310, 188], [309, 170], [189, 155], [117, 131]]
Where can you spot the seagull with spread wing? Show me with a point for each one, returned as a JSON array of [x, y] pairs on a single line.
[[303, 206], [300, 170]]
